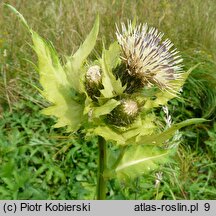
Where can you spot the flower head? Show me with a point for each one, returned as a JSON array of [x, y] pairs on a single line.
[[125, 113], [93, 81], [130, 107], [148, 57], [93, 74]]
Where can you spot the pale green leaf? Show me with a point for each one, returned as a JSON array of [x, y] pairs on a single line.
[[127, 135], [55, 87], [108, 91], [52, 75], [88, 45], [110, 59], [105, 108], [18, 15], [69, 113], [73, 67], [109, 134], [158, 139], [145, 127], [112, 56], [138, 160]]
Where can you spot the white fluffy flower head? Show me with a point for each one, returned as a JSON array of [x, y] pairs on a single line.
[[148, 57]]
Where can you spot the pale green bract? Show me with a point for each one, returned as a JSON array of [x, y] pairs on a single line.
[[105, 108], [74, 65], [110, 59]]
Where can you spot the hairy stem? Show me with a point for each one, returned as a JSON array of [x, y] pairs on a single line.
[[101, 183]]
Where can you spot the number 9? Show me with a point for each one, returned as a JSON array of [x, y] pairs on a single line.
[[207, 206]]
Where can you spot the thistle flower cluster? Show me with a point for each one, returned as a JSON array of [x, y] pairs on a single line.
[[148, 58], [146, 61]]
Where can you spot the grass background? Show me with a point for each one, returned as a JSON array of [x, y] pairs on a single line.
[[40, 162]]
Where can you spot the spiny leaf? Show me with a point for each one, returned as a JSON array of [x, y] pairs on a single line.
[[158, 139], [69, 114], [73, 67], [105, 108], [112, 56], [56, 88], [51, 72], [145, 127], [110, 59], [109, 134], [138, 160], [127, 135]]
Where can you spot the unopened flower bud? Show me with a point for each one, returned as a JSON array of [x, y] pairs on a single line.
[[125, 113], [130, 107], [93, 82], [93, 75]]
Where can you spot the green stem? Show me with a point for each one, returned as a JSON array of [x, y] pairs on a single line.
[[120, 156], [101, 183]]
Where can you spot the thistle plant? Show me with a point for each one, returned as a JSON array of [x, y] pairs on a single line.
[[114, 97]]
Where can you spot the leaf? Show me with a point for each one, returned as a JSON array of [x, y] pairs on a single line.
[[105, 108], [110, 59], [18, 15], [138, 160], [109, 134], [145, 127], [112, 55], [73, 67], [127, 135], [56, 88], [158, 139], [68, 113], [51, 73]]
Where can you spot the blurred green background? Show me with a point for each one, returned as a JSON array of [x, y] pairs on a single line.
[[40, 162]]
